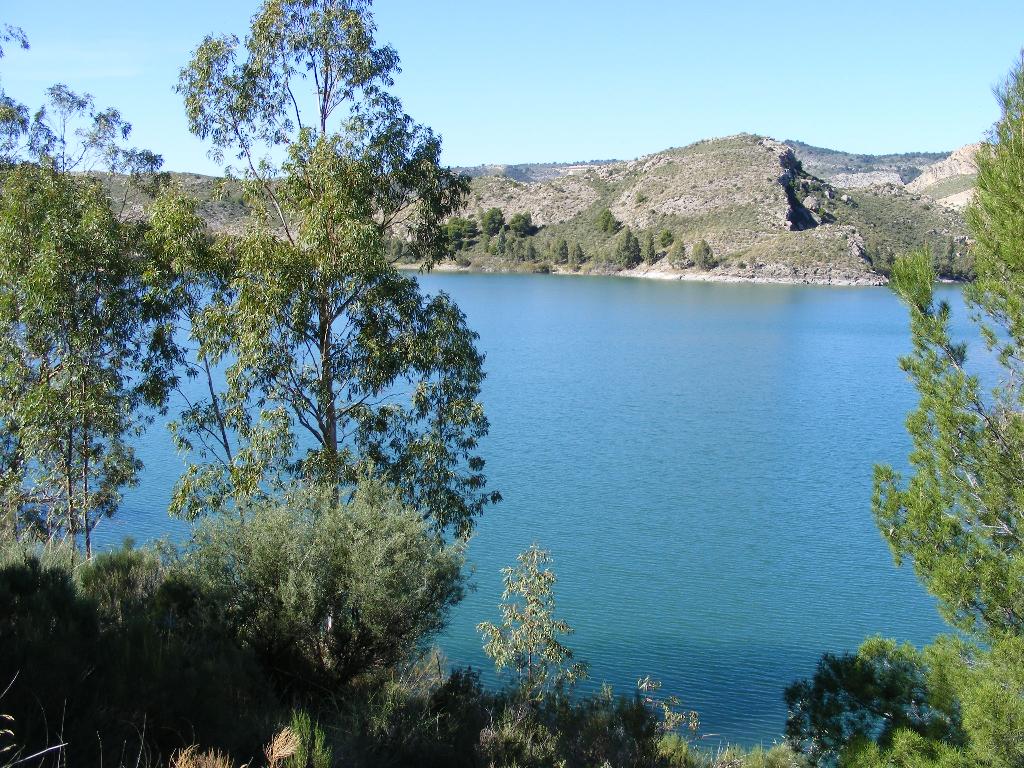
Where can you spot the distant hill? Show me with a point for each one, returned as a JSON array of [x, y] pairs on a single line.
[[530, 171], [768, 210], [832, 163]]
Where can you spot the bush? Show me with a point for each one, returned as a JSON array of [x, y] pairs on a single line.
[[703, 257], [607, 223], [322, 591], [522, 225]]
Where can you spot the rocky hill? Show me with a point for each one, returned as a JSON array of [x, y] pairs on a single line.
[[750, 198], [949, 181], [854, 171], [766, 210]]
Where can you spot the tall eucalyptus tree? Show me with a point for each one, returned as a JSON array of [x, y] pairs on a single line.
[[336, 364], [86, 311]]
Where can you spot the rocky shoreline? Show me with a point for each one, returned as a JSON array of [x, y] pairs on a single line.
[[817, 274]]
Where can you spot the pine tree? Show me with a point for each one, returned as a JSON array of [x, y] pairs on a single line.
[[703, 256], [562, 252], [628, 251], [677, 256], [957, 517], [650, 254], [577, 257]]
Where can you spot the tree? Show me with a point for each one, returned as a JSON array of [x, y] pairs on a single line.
[[325, 337], [607, 223], [627, 252], [957, 517], [461, 233], [665, 239], [702, 255], [562, 251], [502, 246], [677, 256], [650, 255], [577, 256], [527, 641], [521, 224], [87, 302], [492, 221], [874, 693], [14, 117]]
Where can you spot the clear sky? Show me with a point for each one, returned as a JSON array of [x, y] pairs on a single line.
[[542, 80]]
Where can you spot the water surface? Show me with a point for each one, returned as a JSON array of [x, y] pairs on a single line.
[[698, 459]]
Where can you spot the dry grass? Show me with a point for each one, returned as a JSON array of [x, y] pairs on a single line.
[[284, 745]]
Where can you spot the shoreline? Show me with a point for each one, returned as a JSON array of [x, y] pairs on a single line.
[[773, 275]]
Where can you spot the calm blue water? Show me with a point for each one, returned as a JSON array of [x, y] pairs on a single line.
[[698, 459]]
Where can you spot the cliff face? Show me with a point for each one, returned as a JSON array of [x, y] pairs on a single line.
[[950, 181]]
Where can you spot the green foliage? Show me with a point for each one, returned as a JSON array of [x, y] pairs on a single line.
[[956, 518], [212, 643], [492, 221], [880, 690], [577, 257], [521, 224], [322, 592], [527, 641], [650, 254], [326, 339], [627, 252], [123, 659], [607, 223], [562, 252], [677, 256], [462, 233], [311, 745], [86, 310], [665, 239], [702, 256]]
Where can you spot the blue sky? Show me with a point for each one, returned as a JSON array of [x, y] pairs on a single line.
[[561, 81]]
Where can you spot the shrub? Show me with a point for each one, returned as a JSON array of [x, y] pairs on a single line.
[[703, 256], [607, 223], [522, 225], [322, 591]]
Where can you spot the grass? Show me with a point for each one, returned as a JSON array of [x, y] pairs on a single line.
[[951, 186]]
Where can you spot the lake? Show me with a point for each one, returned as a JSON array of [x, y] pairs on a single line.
[[698, 459]]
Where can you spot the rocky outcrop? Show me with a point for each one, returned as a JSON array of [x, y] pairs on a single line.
[[960, 163]]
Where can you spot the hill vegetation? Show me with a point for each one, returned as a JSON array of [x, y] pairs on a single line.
[[749, 198]]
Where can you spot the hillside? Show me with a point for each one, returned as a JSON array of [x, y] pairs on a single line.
[[949, 181], [855, 171], [764, 216], [768, 210]]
